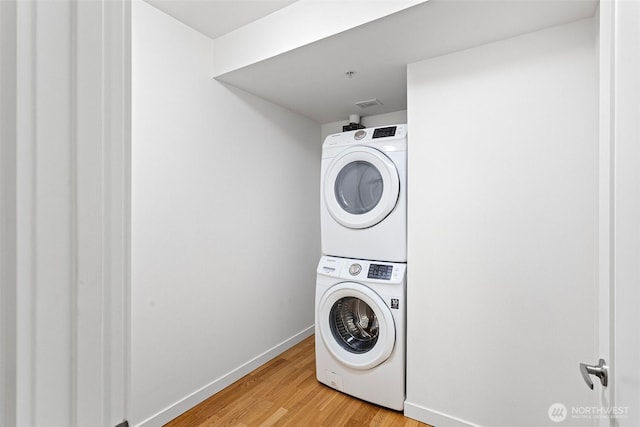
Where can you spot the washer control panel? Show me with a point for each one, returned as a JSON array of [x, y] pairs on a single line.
[[364, 270]]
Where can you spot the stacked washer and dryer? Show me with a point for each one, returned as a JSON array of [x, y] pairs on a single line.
[[361, 278]]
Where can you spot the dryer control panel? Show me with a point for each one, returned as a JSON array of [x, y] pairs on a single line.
[[394, 136], [384, 132]]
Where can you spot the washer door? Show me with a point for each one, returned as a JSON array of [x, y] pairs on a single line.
[[356, 325], [361, 187]]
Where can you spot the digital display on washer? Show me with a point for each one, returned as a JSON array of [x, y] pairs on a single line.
[[384, 132], [380, 271]]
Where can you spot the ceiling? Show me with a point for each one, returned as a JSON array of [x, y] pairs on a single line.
[[214, 18], [311, 80]]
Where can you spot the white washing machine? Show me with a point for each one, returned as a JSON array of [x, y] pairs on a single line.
[[360, 329], [364, 194]]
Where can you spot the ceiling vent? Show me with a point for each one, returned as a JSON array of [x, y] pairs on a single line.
[[369, 103]]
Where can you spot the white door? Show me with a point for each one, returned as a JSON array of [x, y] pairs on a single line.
[[356, 325], [361, 187], [626, 99], [509, 228]]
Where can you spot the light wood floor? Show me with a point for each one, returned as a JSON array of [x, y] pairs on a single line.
[[285, 392]]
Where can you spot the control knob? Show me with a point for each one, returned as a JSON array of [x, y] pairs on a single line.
[[355, 269]]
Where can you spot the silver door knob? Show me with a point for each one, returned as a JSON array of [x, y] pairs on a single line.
[[600, 370]]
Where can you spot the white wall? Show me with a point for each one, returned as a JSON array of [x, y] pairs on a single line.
[[225, 223], [502, 229], [395, 117]]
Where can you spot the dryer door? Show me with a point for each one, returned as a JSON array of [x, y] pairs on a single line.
[[356, 325], [361, 187]]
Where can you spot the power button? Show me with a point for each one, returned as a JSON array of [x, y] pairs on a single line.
[[355, 269]]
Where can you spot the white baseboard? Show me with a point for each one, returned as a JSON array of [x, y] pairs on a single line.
[[433, 418], [226, 380]]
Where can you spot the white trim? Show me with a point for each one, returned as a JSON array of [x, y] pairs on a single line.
[[70, 267], [8, 217], [25, 208], [218, 384], [605, 256], [53, 228], [102, 165], [434, 418]]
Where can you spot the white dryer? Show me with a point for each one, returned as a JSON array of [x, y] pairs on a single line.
[[360, 329], [364, 194]]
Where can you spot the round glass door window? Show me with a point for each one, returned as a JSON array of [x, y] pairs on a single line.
[[358, 187], [354, 325]]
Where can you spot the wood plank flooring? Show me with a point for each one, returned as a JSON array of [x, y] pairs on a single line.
[[285, 392]]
